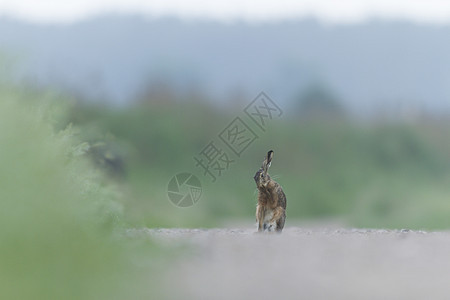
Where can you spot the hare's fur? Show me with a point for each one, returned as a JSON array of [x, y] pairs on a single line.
[[271, 208]]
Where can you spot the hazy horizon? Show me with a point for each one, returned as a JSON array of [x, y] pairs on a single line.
[[377, 65]]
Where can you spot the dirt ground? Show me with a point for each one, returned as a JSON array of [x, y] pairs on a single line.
[[306, 263]]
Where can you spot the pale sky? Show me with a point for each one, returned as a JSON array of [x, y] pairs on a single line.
[[328, 11]]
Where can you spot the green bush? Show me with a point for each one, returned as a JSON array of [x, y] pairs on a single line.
[[57, 212]]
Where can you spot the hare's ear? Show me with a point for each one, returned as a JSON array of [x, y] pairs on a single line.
[[269, 157], [267, 161]]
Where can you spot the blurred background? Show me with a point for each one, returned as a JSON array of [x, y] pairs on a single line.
[[101, 103], [364, 87]]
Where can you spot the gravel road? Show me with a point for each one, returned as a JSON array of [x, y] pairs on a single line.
[[306, 263]]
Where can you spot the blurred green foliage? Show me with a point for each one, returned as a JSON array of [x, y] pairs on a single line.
[[62, 217], [377, 173], [59, 216]]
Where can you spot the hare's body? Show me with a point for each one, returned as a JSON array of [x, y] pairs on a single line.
[[271, 208]]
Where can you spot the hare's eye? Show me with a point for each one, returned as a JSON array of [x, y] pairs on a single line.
[[262, 175]]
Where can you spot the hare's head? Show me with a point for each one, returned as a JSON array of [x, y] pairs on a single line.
[[262, 178]]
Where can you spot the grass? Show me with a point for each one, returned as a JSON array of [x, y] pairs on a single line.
[[328, 167], [58, 213]]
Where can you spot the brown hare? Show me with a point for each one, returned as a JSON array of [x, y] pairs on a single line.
[[271, 208]]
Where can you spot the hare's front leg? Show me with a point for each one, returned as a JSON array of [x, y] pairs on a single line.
[[260, 217], [277, 214]]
